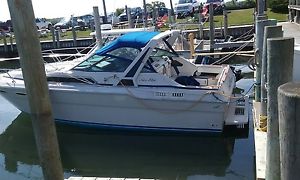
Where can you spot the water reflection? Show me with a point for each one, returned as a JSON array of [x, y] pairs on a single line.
[[108, 154]]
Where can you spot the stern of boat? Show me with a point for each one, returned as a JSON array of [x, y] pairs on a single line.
[[237, 119]]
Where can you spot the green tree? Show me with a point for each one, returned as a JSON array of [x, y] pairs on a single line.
[[279, 6], [119, 11], [158, 4], [154, 4]]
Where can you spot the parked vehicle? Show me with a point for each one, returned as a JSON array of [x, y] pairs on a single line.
[[3, 26], [186, 7], [161, 12], [42, 23], [6, 26], [66, 23], [136, 13], [112, 18]]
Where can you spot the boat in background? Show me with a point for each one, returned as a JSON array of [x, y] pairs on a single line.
[[138, 82]]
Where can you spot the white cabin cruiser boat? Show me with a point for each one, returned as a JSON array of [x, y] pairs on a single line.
[[138, 82]]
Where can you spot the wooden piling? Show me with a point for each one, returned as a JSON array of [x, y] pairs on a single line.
[[128, 12], [297, 13], [145, 15], [261, 22], [225, 16], [11, 43], [154, 17], [289, 130], [172, 11], [97, 26], [57, 38], [73, 32], [105, 13], [292, 11], [201, 35], [211, 27], [170, 16], [33, 69], [192, 46], [261, 7], [280, 53], [4, 42], [270, 32], [53, 37]]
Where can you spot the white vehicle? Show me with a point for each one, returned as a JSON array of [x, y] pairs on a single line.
[[112, 18], [138, 82], [42, 23], [186, 7]]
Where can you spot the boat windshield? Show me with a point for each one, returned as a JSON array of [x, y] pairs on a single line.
[[162, 52], [114, 61]]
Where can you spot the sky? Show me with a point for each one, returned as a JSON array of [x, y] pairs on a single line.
[[64, 8]]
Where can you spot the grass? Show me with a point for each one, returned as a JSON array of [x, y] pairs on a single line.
[[64, 35], [69, 35], [235, 17], [240, 17]]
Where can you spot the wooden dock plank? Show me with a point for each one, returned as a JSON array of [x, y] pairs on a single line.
[[260, 144]]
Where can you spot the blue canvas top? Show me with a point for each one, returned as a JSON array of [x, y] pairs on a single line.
[[133, 39]]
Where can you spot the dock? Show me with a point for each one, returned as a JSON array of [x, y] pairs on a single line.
[[260, 144], [260, 137]]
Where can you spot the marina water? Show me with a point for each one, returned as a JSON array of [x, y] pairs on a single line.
[[125, 155]]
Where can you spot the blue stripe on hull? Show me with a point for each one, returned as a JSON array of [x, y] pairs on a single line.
[[136, 128]]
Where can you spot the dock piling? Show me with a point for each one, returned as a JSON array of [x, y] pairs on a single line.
[[33, 69], [201, 36], [128, 12], [170, 17], [297, 12], [11, 43], [270, 32], [192, 47], [280, 53], [4, 42], [97, 26], [104, 11], [53, 36], [73, 32], [145, 18], [211, 27], [225, 16], [57, 38], [289, 130], [261, 22]]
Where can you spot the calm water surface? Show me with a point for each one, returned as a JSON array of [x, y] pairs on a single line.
[[111, 154]]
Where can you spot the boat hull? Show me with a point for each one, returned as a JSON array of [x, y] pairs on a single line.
[[123, 111]]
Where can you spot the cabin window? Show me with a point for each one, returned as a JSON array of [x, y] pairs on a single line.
[[116, 60], [125, 52], [157, 52], [111, 64], [89, 62]]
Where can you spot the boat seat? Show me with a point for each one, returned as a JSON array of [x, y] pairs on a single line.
[[187, 81]]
